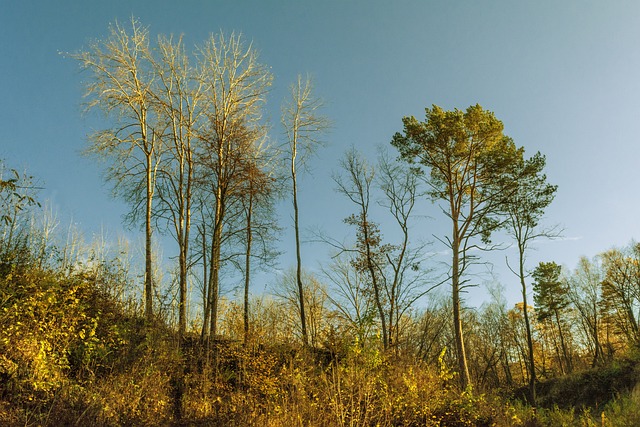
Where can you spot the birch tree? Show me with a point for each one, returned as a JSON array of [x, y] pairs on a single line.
[[178, 100], [121, 85], [303, 125]]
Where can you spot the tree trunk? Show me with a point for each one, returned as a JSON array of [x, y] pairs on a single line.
[[214, 280], [206, 293], [148, 278], [565, 352], [209, 326], [463, 369], [374, 281], [303, 318], [525, 313], [184, 272], [598, 353], [247, 266], [184, 234]]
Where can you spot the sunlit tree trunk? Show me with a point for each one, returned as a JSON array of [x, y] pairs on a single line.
[[463, 367]]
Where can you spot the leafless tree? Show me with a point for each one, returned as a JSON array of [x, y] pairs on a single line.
[[235, 84], [178, 100], [122, 84], [304, 126], [393, 272], [369, 250], [350, 296], [315, 298]]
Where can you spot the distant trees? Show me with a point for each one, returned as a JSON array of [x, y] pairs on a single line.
[[315, 299], [551, 296], [585, 292], [467, 158], [350, 295], [621, 290]]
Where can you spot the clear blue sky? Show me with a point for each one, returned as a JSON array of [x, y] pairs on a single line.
[[564, 77]]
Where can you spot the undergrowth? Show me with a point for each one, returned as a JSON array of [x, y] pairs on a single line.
[[72, 354]]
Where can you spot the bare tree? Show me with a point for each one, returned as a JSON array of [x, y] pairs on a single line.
[[369, 250], [392, 271], [406, 281], [179, 104], [235, 84], [122, 85], [303, 126], [351, 296], [315, 297]]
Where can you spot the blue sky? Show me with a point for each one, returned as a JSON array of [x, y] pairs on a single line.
[[564, 77]]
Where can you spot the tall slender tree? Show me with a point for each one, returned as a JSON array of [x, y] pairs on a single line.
[[524, 209], [304, 126], [260, 226], [178, 102], [467, 156], [122, 85]]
